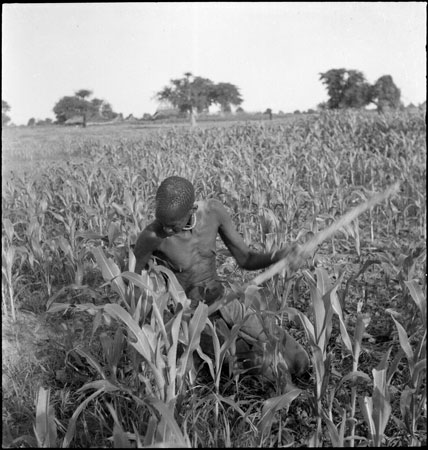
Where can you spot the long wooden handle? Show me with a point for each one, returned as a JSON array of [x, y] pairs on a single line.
[[309, 247]]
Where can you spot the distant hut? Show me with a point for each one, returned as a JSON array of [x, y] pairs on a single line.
[[76, 121], [166, 111], [131, 119]]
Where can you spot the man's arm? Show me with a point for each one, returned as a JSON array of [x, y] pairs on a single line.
[[245, 258], [148, 241]]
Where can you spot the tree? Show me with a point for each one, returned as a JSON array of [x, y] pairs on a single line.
[[188, 93], [96, 106], [79, 105], [225, 95], [5, 108], [31, 122], [385, 94], [202, 92], [107, 112], [192, 93], [68, 107], [346, 88]]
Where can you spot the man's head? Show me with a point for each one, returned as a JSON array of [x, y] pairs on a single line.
[[175, 200]]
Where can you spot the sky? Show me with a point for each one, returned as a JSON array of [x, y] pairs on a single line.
[[273, 52]]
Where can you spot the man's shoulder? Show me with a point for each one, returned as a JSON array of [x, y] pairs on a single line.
[[211, 206], [214, 211]]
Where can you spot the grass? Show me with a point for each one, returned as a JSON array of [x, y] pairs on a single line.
[[281, 180]]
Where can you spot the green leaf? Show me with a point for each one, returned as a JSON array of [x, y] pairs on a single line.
[[405, 401], [362, 322], [149, 438], [419, 298], [272, 405], [381, 413], [72, 423], [208, 360], [45, 427], [131, 260], [353, 376], [419, 367], [405, 344], [366, 406], [65, 247], [172, 353], [104, 385], [174, 287], [92, 361], [113, 232], [216, 345], [161, 325], [145, 343], [110, 272], [117, 351], [177, 437], [338, 310], [306, 323], [196, 325], [336, 436], [139, 280], [8, 226], [323, 280]]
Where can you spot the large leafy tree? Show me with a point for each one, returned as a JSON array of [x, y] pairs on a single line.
[[225, 95], [202, 93], [80, 105], [70, 106], [5, 108], [385, 94], [346, 88], [188, 93], [197, 93]]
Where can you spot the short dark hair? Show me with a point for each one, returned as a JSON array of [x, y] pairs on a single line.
[[174, 198]]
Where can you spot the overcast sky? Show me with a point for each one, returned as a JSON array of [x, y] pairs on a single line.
[[273, 52]]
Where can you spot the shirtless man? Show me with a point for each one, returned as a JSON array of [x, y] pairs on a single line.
[[183, 237]]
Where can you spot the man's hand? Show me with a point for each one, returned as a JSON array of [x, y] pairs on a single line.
[[292, 251]]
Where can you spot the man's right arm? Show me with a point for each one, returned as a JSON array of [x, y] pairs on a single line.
[[148, 241]]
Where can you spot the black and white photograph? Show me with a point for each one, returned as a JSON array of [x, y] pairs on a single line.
[[214, 224]]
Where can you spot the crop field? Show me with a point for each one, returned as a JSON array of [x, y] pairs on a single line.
[[95, 355]]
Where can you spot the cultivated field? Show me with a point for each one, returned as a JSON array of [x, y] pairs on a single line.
[[95, 355]]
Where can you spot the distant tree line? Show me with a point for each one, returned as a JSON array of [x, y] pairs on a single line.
[[194, 94], [350, 89]]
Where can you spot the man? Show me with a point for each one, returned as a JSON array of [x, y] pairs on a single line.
[[183, 237]]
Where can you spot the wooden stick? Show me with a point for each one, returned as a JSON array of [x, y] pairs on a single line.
[[309, 247]]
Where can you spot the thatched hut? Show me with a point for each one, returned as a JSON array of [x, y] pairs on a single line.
[[76, 120]]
